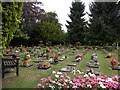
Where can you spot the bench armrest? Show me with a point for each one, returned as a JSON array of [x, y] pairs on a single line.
[[10, 58], [13, 55]]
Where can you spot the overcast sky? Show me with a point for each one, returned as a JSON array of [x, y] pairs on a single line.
[[62, 8]]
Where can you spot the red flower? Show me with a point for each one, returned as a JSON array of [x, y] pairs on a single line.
[[113, 62]]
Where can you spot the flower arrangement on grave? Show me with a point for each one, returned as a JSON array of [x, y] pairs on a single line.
[[78, 56], [88, 81], [26, 59], [103, 51], [113, 63], [110, 55], [46, 65]]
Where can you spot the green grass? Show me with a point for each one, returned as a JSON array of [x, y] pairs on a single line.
[[30, 77]]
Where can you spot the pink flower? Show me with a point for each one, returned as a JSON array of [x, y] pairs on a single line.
[[79, 84], [74, 87], [87, 82], [83, 80], [39, 85], [68, 86], [43, 86], [80, 77], [80, 81], [43, 79], [74, 80]]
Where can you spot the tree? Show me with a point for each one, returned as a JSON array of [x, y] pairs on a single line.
[[104, 22], [50, 28], [32, 15], [0, 29], [77, 24], [11, 15]]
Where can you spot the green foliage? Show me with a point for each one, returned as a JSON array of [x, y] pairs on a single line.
[[104, 23], [50, 28], [11, 15], [77, 24], [32, 14], [51, 17], [0, 29], [50, 31]]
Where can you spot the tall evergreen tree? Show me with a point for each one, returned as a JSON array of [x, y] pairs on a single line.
[[104, 22], [76, 26]]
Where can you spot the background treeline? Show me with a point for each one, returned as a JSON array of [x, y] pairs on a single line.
[[27, 24]]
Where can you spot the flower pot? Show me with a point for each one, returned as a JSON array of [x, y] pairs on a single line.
[[25, 62]]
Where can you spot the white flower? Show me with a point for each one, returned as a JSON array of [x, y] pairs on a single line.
[[100, 83], [89, 74], [88, 85], [59, 84], [53, 72], [85, 75], [16, 51], [53, 82], [109, 79], [99, 79], [103, 80], [71, 82], [92, 74], [66, 80], [28, 55], [57, 76], [102, 86], [73, 71], [59, 73], [52, 87]]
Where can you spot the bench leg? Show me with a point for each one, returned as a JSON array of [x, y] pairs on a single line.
[[3, 72], [17, 70]]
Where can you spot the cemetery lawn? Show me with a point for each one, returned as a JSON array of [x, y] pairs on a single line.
[[30, 77]]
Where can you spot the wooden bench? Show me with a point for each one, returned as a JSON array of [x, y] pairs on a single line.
[[11, 61]]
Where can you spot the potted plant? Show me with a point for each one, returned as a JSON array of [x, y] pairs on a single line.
[[26, 60], [113, 63]]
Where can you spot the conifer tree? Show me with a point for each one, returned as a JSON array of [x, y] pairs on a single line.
[[104, 22], [76, 26]]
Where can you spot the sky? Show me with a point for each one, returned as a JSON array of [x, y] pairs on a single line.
[[62, 8]]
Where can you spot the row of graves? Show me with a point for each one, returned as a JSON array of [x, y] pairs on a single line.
[[93, 63], [45, 57], [40, 57], [37, 56], [71, 66], [115, 64]]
